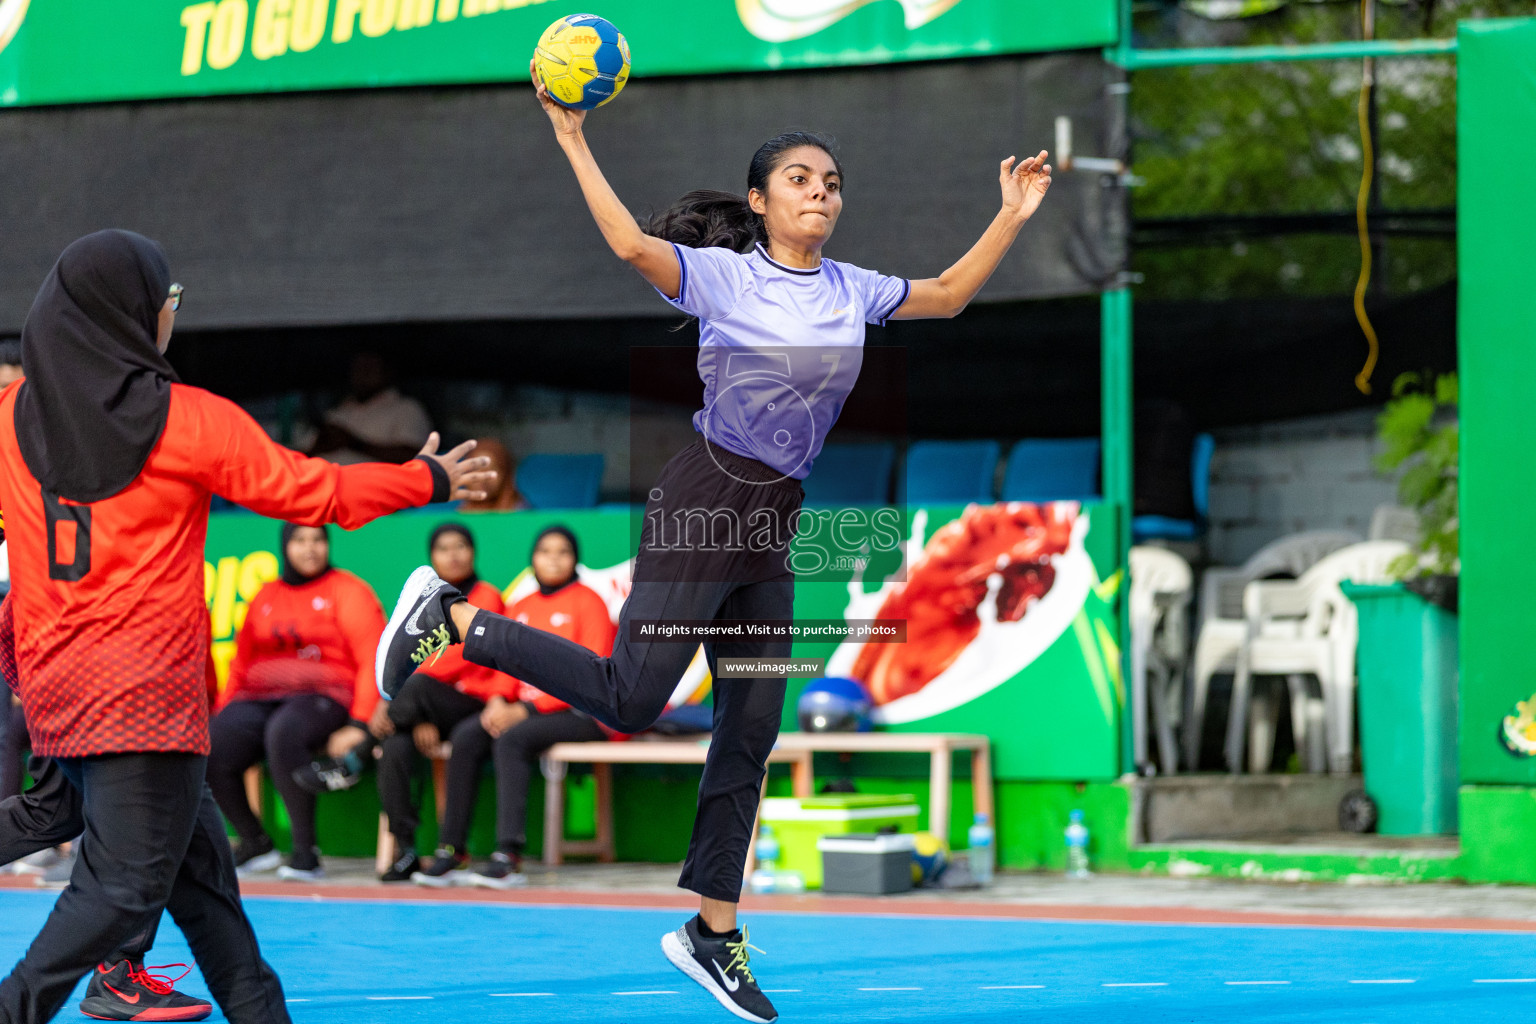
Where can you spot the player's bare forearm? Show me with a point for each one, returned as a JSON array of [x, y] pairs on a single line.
[[1024, 185], [653, 258], [949, 293]]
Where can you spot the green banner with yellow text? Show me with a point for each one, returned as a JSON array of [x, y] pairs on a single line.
[[85, 51]]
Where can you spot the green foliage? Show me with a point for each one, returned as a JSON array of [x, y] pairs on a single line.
[[1420, 438], [1284, 138]]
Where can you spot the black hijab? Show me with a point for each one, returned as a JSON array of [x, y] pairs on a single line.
[[470, 582], [290, 575], [575, 554], [97, 392]]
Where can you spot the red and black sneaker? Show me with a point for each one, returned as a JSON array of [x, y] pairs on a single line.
[[127, 991]]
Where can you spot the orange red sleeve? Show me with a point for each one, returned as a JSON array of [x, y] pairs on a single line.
[[228, 452]]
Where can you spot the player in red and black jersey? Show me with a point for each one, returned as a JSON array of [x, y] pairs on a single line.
[[51, 812], [107, 464]]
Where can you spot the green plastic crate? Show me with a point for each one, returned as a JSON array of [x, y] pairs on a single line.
[[798, 822]]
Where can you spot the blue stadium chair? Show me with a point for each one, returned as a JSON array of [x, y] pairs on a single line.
[[560, 481], [950, 472], [1065, 469], [851, 474], [1145, 528]]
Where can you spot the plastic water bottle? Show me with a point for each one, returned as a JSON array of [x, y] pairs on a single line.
[[768, 878], [982, 854], [1077, 847], [767, 849]]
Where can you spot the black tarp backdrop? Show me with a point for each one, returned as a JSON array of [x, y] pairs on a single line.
[[1006, 370], [383, 206]]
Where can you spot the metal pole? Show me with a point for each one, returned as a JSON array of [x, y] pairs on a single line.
[[1122, 53], [1141, 60]]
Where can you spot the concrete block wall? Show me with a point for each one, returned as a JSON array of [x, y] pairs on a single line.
[[1280, 478]]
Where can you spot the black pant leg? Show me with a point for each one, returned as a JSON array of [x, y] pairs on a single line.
[[748, 713], [139, 814], [236, 734], [205, 904], [49, 813], [629, 689], [421, 699], [397, 762], [455, 714], [13, 748], [516, 751], [406, 709], [293, 733], [471, 749], [396, 767]]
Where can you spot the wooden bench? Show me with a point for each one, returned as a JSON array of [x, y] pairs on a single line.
[[940, 748], [602, 756], [793, 748]]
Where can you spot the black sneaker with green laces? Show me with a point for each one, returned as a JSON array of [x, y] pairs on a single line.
[[418, 630], [503, 871], [448, 866], [721, 966]]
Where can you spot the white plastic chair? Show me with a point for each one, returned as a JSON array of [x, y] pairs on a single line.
[[1222, 627], [1300, 628], [1162, 587]]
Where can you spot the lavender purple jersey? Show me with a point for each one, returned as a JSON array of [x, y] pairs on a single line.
[[779, 348]]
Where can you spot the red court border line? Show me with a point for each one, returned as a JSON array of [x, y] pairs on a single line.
[[884, 907]]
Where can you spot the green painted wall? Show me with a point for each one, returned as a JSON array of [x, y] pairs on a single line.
[[1279, 864], [1498, 824], [1497, 345]]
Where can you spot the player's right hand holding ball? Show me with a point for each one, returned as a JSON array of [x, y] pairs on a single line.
[[565, 120]]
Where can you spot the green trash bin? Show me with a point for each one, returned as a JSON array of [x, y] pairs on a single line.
[[1407, 666]]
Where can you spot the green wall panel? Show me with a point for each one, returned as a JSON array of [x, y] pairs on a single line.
[[1497, 345], [1498, 826]]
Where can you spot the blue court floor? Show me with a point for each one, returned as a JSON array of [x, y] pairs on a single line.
[[377, 962]]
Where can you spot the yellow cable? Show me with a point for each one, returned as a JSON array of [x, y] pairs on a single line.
[[1363, 378]]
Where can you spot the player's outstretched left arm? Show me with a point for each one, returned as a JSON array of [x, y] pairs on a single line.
[[1024, 186]]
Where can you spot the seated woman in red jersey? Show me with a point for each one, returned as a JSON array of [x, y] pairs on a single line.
[[435, 701], [302, 669], [515, 733]]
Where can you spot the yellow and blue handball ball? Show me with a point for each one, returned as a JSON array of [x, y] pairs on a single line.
[[583, 61], [930, 857]]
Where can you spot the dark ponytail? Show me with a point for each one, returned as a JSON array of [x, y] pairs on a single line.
[[706, 218]]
